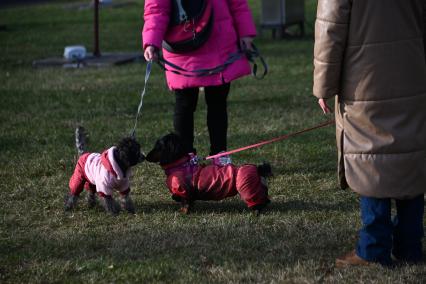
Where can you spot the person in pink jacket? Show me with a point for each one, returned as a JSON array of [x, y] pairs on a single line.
[[233, 26]]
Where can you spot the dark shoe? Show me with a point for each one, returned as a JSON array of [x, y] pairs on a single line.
[[110, 205], [91, 199], [127, 204], [80, 140], [71, 202], [351, 259]]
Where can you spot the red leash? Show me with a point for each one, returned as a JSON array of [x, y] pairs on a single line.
[[283, 137]]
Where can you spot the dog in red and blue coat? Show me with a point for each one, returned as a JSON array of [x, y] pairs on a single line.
[[103, 173], [188, 181]]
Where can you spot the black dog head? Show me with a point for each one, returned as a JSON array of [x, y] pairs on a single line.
[[128, 153], [167, 149]]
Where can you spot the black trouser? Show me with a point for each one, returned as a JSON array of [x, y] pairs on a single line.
[[217, 116]]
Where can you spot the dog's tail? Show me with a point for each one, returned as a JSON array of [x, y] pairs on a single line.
[[80, 140], [265, 170]]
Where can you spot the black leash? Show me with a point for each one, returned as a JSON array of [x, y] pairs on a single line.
[[251, 54]]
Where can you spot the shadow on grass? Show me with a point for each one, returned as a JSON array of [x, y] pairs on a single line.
[[238, 207], [236, 242]]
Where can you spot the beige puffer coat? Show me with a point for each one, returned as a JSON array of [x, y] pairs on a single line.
[[371, 54]]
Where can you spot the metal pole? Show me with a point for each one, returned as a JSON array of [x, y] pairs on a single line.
[[96, 51]]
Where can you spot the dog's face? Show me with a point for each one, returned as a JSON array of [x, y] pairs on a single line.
[[167, 149], [129, 152]]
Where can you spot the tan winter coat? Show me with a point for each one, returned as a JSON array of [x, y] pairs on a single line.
[[371, 54]]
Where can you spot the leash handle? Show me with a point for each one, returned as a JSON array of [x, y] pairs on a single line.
[[147, 74], [251, 55], [283, 137]]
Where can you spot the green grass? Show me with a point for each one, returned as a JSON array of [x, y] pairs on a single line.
[[310, 221]]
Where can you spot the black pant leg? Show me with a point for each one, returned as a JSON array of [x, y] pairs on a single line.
[[183, 118], [217, 116]]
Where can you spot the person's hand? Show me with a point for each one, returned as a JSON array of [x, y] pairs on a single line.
[[150, 53], [324, 106], [245, 43]]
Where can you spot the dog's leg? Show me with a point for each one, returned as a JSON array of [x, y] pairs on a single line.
[[258, 209], [71, 202], [127, 203], [91, 199], [110, 205], [185, 206]]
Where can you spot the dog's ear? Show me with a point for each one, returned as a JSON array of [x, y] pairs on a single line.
[[172, 149], [154, 156], [167, 149]]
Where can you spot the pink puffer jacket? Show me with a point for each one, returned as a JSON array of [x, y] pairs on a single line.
[[232, 20]]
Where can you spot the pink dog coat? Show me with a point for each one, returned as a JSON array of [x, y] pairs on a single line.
[[99, 172], [212, 182]]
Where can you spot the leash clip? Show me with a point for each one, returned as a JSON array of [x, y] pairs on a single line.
[[193, 159]]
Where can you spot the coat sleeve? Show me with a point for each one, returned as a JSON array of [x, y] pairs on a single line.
[[156, 21], [243, 19], [331, 30]]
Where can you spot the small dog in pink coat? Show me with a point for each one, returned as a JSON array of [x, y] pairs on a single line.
[[102, 173]]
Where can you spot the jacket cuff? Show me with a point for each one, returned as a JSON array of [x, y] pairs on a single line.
[[151, 39]]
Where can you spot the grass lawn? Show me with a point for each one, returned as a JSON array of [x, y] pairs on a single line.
[[309, 223]]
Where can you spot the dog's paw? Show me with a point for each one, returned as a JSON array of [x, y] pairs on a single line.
[[257, 212], [259, 209], [70, 202], [110, 205], [184, 210], [127, 204]]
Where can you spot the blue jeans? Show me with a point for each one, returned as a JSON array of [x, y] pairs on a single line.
[[380, 235]]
